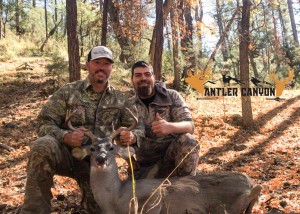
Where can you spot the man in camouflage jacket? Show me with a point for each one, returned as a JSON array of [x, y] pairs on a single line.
[[168, 127], [50, 154]]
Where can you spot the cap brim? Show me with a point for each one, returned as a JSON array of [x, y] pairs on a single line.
[[104, 58]]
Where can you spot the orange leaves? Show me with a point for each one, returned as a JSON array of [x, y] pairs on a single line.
[[250, 46]]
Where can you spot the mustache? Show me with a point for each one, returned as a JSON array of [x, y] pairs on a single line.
[[143, 81]]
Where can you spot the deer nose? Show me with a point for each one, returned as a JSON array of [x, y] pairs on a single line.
[[101, 159]]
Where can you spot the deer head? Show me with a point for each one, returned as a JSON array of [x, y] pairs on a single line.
[[198, 79], [83, 151], [280, 83]]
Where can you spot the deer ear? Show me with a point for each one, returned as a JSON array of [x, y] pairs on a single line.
[[123, 151]]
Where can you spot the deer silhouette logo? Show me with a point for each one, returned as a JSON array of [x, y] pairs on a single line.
[[199, 79], [280, 83]]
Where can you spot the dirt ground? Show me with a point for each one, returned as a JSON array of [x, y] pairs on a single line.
[[270, 154]]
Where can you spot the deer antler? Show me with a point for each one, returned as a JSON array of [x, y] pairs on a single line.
[[132, 126], [290, 76], [68, 123], [83, 151]]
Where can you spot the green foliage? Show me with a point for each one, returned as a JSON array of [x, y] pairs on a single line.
[[13, 46]]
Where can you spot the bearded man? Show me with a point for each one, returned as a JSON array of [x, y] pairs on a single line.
[[168, 127]]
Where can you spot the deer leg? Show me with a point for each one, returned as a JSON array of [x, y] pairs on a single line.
[[255, 191]]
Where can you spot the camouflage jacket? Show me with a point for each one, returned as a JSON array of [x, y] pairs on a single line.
[[95, 111], [171, 107]]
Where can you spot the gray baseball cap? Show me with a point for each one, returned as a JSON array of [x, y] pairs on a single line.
[[100, 52]]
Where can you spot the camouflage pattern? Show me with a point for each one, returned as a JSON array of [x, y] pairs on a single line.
[[49, 156], [96, 112], [168, 150]]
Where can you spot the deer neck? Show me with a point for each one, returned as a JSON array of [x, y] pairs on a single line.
[[106, 186]]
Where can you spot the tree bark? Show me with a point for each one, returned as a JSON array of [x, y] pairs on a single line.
[[126, 54], [17, 16], [220, 21], [1, 9], [174, 28], [46, 17], [166, 9], [187, 47], [104, 23], [291, 12], [199, 18], [284, 30], [247, 116], [157, 65], [73, 46]]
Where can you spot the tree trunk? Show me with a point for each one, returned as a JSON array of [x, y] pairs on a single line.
[[73, 47], [126, 55], [199, 18], [284, 30], [104, 23], [253, 65], [224, 50], [33, 3], [46, 17], [1, 9], [291, 12], [159, 40], [166, 9], [49, 35], [187, 47], [174, 28], [222, 38], [247, 116], [17, 17]]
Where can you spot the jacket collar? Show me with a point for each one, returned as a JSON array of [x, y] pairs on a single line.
[[161, 95], [87, 84]]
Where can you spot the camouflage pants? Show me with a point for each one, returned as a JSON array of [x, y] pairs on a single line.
[[47, 158], [171, 157]]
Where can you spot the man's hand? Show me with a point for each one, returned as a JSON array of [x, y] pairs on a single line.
[[127, 138], [75, 138], [161, 127]]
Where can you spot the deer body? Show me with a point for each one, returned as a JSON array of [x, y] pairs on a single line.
[[230, 193], [202, 194]]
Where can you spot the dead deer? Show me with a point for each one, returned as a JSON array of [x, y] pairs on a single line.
[[227, 192]]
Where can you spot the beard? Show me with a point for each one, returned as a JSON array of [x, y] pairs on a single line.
[[144, 91]]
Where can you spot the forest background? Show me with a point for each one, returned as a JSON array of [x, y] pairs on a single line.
[[43, 44]]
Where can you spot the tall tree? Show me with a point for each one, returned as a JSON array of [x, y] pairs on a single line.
[[17, 16], [175, 37], [247, 116], [104, 23], [291, 12], [159, 37], [73, 45], [1, 9], [199, 20], [166, 9], [46, 17], [220, 22], [187, 46]]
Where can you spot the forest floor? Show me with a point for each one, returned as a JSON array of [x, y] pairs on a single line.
[[270, 154]]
